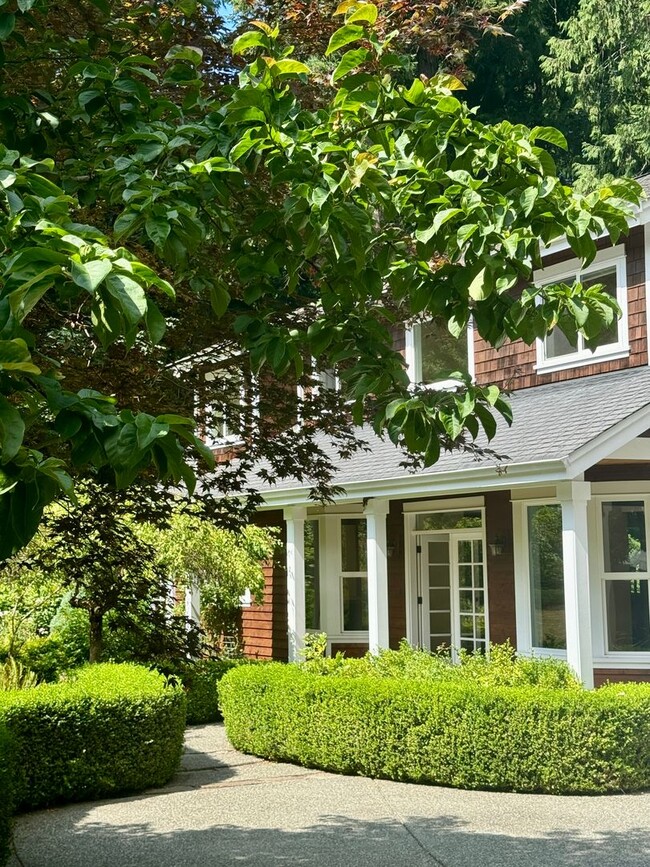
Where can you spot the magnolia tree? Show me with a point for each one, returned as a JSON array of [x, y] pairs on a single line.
[[302, 233]]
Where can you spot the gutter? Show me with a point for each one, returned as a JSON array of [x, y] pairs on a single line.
[[428, 484]]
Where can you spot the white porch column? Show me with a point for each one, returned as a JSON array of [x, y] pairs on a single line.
[[375, 512], [193, 603], [295, 518], [574, 497]]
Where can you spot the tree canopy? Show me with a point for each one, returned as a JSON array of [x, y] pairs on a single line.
[[155, 209], [601, 62]]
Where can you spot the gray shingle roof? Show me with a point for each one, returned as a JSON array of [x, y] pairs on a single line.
[[550, 423], [644, 180]]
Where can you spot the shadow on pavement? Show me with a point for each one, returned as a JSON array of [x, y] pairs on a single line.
[[335, 841]]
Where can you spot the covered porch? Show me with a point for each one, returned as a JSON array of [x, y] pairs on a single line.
[[545, 548]]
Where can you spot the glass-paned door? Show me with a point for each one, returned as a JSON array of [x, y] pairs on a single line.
[[470, 571], [451, 590], [438, 596]]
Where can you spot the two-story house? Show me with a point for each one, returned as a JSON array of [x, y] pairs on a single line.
[[546, 547]]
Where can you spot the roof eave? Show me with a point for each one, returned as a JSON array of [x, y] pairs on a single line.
[[606, 443], [434, 484]]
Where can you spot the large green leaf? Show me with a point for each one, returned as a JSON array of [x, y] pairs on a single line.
[[7, 24], [250, 39], [89, 275], [12, 430], [148, 429], [350, 60], [129, 295], [156, 325], [366, 12], [343, 36], [290, 67], [157, 228], [188, 53], [15, 356]]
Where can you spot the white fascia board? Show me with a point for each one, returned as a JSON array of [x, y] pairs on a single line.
[[434, 484], [607, 443]]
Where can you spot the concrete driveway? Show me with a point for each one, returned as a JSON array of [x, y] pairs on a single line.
[[225, 808]]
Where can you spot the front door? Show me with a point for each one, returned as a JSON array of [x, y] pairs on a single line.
[[451, 590]]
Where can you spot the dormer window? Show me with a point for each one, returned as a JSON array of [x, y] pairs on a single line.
[[432, 353], [555, 351]]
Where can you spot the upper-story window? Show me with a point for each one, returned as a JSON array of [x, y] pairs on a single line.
[[432, 353], [556, 351], [225, 417]]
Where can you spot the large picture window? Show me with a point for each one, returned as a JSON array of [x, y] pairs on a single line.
[[625, 564], [546, 571], [354, 574]]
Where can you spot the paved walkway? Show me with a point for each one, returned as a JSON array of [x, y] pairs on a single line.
[[225, 809]]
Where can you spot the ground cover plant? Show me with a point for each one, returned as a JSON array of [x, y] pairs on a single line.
[[107, 729], [520, 725]]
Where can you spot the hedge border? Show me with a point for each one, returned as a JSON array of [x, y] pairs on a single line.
[[523, 739], [109, 730], [201, 681], [6, 788]]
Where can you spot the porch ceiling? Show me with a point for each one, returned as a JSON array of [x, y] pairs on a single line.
[[559, 430]]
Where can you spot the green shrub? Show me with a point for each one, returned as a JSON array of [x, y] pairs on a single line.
[[200, 680], [520, 738], [503, 667], [48, 657], [14, 675], [108, 729], [6, 793]]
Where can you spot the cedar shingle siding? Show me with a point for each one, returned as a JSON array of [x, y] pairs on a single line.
[[513, 366], [264, 627]]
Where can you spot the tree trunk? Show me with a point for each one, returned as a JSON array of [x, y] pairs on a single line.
[[96, 636]]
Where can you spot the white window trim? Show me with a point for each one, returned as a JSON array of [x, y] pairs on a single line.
[[523, 600], [411, 511], [413, 357], [360, 634], [331, 590], [604, 657], [572, 271], [216, 442], [317, 377]]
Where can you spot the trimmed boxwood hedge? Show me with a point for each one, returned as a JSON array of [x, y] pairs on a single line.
[[110, 729], [523, 739], [6, 788], [201, 682]]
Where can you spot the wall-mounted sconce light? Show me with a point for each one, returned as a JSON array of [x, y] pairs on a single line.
[[498, 545]]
